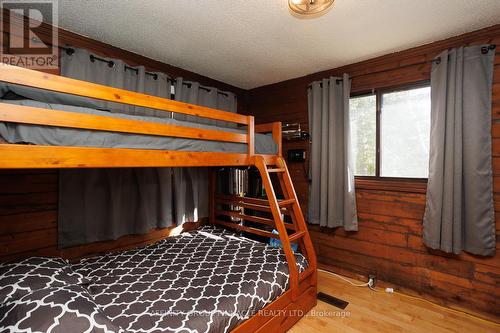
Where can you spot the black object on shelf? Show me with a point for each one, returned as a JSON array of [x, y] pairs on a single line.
[[296, 155], [293, 132]]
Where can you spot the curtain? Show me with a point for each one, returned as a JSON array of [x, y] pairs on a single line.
[[115, 73], [459, 213], [103, 204], [332, 200], [191, 184]]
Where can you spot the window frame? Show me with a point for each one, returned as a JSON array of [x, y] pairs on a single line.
[[377, 182]]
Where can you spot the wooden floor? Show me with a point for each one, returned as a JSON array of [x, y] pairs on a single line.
[[369, 311]]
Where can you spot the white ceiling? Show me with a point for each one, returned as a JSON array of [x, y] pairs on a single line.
[[250, 43]]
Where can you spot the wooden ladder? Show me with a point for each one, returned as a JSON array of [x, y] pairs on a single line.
[[300, 234]]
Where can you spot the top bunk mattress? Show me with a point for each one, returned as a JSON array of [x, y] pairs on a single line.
[[58, 136]]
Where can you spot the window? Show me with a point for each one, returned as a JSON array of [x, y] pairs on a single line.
[[363, 114], [400, 128]]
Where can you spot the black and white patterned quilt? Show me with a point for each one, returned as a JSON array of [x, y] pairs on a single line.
[[44, 295], [207, 280]]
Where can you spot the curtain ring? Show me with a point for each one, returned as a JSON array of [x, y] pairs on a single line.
[[92, 58], [155, 76], [437, 61], [486, 49], [111, 64], [70, 51]]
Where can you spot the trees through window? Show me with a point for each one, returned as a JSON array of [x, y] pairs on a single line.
[[390, 132]]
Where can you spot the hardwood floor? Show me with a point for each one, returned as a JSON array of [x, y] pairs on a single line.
[[369, 311]]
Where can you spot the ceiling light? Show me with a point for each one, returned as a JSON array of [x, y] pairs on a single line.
[[309, 7]]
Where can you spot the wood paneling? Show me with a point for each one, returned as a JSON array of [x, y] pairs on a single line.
[[389, 240], [28, 219]]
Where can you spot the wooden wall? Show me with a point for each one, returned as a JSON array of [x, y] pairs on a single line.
[[28, 198], [389, 240]]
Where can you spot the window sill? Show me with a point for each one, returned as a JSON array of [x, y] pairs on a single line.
[[410, 185]]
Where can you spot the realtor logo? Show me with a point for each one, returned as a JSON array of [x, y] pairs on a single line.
[[25, 41]]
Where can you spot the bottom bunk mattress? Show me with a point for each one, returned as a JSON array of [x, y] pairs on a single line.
[[208, 280]]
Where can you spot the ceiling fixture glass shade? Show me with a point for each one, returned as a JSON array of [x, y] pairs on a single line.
[[309, 7]]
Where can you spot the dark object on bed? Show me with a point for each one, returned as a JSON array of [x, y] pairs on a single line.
[[58, 309], [20, 278], [45, 295]]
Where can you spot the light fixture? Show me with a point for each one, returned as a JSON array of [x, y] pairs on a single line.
[[309, 7]]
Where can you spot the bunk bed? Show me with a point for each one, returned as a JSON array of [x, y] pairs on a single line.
[[227, 146]]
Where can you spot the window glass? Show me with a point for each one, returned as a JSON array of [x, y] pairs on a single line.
[[363, 117], [405, 133]]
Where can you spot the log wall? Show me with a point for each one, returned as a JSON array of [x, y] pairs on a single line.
[[389, 240]]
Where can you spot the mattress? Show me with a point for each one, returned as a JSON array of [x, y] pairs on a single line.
[[208, 280], [58, 136]]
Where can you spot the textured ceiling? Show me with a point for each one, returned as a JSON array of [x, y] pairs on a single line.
[[250, 43]]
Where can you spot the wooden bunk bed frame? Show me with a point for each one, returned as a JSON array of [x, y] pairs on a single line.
[[283, 312]]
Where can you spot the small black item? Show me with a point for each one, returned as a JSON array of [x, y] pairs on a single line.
[[337, 302], [486, 49], [296, 155]]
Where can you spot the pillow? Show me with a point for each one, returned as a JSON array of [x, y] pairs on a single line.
[[62, 309], [47, 96], [20, 278]]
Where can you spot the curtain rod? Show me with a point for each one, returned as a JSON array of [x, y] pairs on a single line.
[[70, 51], [111, 63], [437, 61]]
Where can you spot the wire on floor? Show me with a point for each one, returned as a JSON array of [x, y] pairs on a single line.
[[343, 278], [412, 297]]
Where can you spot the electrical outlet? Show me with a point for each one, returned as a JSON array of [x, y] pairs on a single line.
[[372, 280]]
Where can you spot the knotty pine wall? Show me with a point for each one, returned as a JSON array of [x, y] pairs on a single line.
[[389, 240], [29, 198]]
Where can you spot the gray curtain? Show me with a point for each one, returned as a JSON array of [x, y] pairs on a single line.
[[459, 213], [191, 184], [81, 66], [332, 200], [103, 204]]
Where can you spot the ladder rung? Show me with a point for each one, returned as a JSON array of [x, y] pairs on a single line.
[[246, 229], [276, 170], [261, 205], [296, 235], [286, 202], [252, 218]]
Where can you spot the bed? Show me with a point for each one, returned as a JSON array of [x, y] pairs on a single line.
[[58, 136], [207, 280], [110, 293]]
